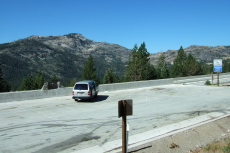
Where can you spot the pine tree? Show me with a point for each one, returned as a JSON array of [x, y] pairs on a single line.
[[162, 67], [23, 86], [72, 82], [192, 66], [206, 69], [131, 71], [143, 61], [158, 72], [164, 71], [178, 68], [150, 72], [54, 78], [226, 66], [4, 85], [39, 80], [89, 71], [1, 79], [27, 83], [138, 63], [109, 77]]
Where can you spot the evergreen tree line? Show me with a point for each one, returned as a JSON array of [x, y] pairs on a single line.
[[4, 85], [138, 68], [35, 82], [32, 83]]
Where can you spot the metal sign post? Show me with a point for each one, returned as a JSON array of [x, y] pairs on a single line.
[[127, 137], [125, 107]]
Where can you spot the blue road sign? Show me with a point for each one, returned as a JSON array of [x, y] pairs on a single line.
[[217, 68], [217, 65]]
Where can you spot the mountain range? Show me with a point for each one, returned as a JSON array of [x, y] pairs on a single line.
[[65, 55], [205, 54]]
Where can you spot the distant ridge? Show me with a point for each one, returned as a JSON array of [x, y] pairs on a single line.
[[65, 55], [204, 54]]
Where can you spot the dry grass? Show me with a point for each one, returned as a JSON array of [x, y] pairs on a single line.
[[222, 146]]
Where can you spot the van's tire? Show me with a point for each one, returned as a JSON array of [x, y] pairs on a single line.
[[91, 96], [96, 95], [76, 100]]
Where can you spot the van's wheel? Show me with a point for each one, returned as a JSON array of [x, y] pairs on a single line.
[[91, 96], [76, 100], [96, 95]]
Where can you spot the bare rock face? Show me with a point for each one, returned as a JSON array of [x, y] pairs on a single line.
[[71, 42], [77, 44]]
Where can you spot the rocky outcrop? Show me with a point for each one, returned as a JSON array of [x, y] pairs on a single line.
[[201, 53]]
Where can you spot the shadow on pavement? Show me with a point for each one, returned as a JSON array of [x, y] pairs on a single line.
[[94, 100]]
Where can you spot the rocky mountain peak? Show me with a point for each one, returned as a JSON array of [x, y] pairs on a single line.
[[34, 37], [75, 35]]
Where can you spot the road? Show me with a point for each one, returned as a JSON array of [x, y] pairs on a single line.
[[60, 124]]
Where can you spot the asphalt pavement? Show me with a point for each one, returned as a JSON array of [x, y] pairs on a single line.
[[60, 124]]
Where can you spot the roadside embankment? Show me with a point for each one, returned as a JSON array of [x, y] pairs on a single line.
[[188, 138], [180, 137]]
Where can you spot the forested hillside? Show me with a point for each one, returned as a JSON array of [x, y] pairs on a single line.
[[65, 58]]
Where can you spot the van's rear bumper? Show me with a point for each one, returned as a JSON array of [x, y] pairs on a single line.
[[81, 97]]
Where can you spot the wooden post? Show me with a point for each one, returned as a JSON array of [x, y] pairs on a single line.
[[125, 108], [212, 77], [218, 77], [124, 136]]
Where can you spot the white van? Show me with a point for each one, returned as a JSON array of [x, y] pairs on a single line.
[[85, 90]]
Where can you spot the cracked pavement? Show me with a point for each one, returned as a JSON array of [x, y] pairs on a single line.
[[60, 124]]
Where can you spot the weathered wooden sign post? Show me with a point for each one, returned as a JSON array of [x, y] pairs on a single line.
[[125, 108]]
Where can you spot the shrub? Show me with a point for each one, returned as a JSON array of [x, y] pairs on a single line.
[[208, 82], [226, 149]]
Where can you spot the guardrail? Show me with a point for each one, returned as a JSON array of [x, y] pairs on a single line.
[[132, 85], [34, 94], [37, 94], [201, 79]]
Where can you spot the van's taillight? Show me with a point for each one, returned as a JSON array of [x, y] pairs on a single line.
[[72, 92], [89, 93]]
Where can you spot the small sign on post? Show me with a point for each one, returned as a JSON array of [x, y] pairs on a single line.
[[125, 107], [217, 68], [217, 65]]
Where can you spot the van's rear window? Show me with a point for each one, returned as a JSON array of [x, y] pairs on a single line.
[[81, 87]]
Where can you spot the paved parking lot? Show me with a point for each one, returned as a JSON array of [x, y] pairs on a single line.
[[62, 125]]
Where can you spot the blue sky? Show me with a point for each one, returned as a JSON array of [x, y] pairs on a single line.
[[161, 24]]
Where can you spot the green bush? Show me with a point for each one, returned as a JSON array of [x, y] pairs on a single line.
[[226, 149], [208, 82]]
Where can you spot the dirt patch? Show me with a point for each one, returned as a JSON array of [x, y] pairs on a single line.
[[188, 140]]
